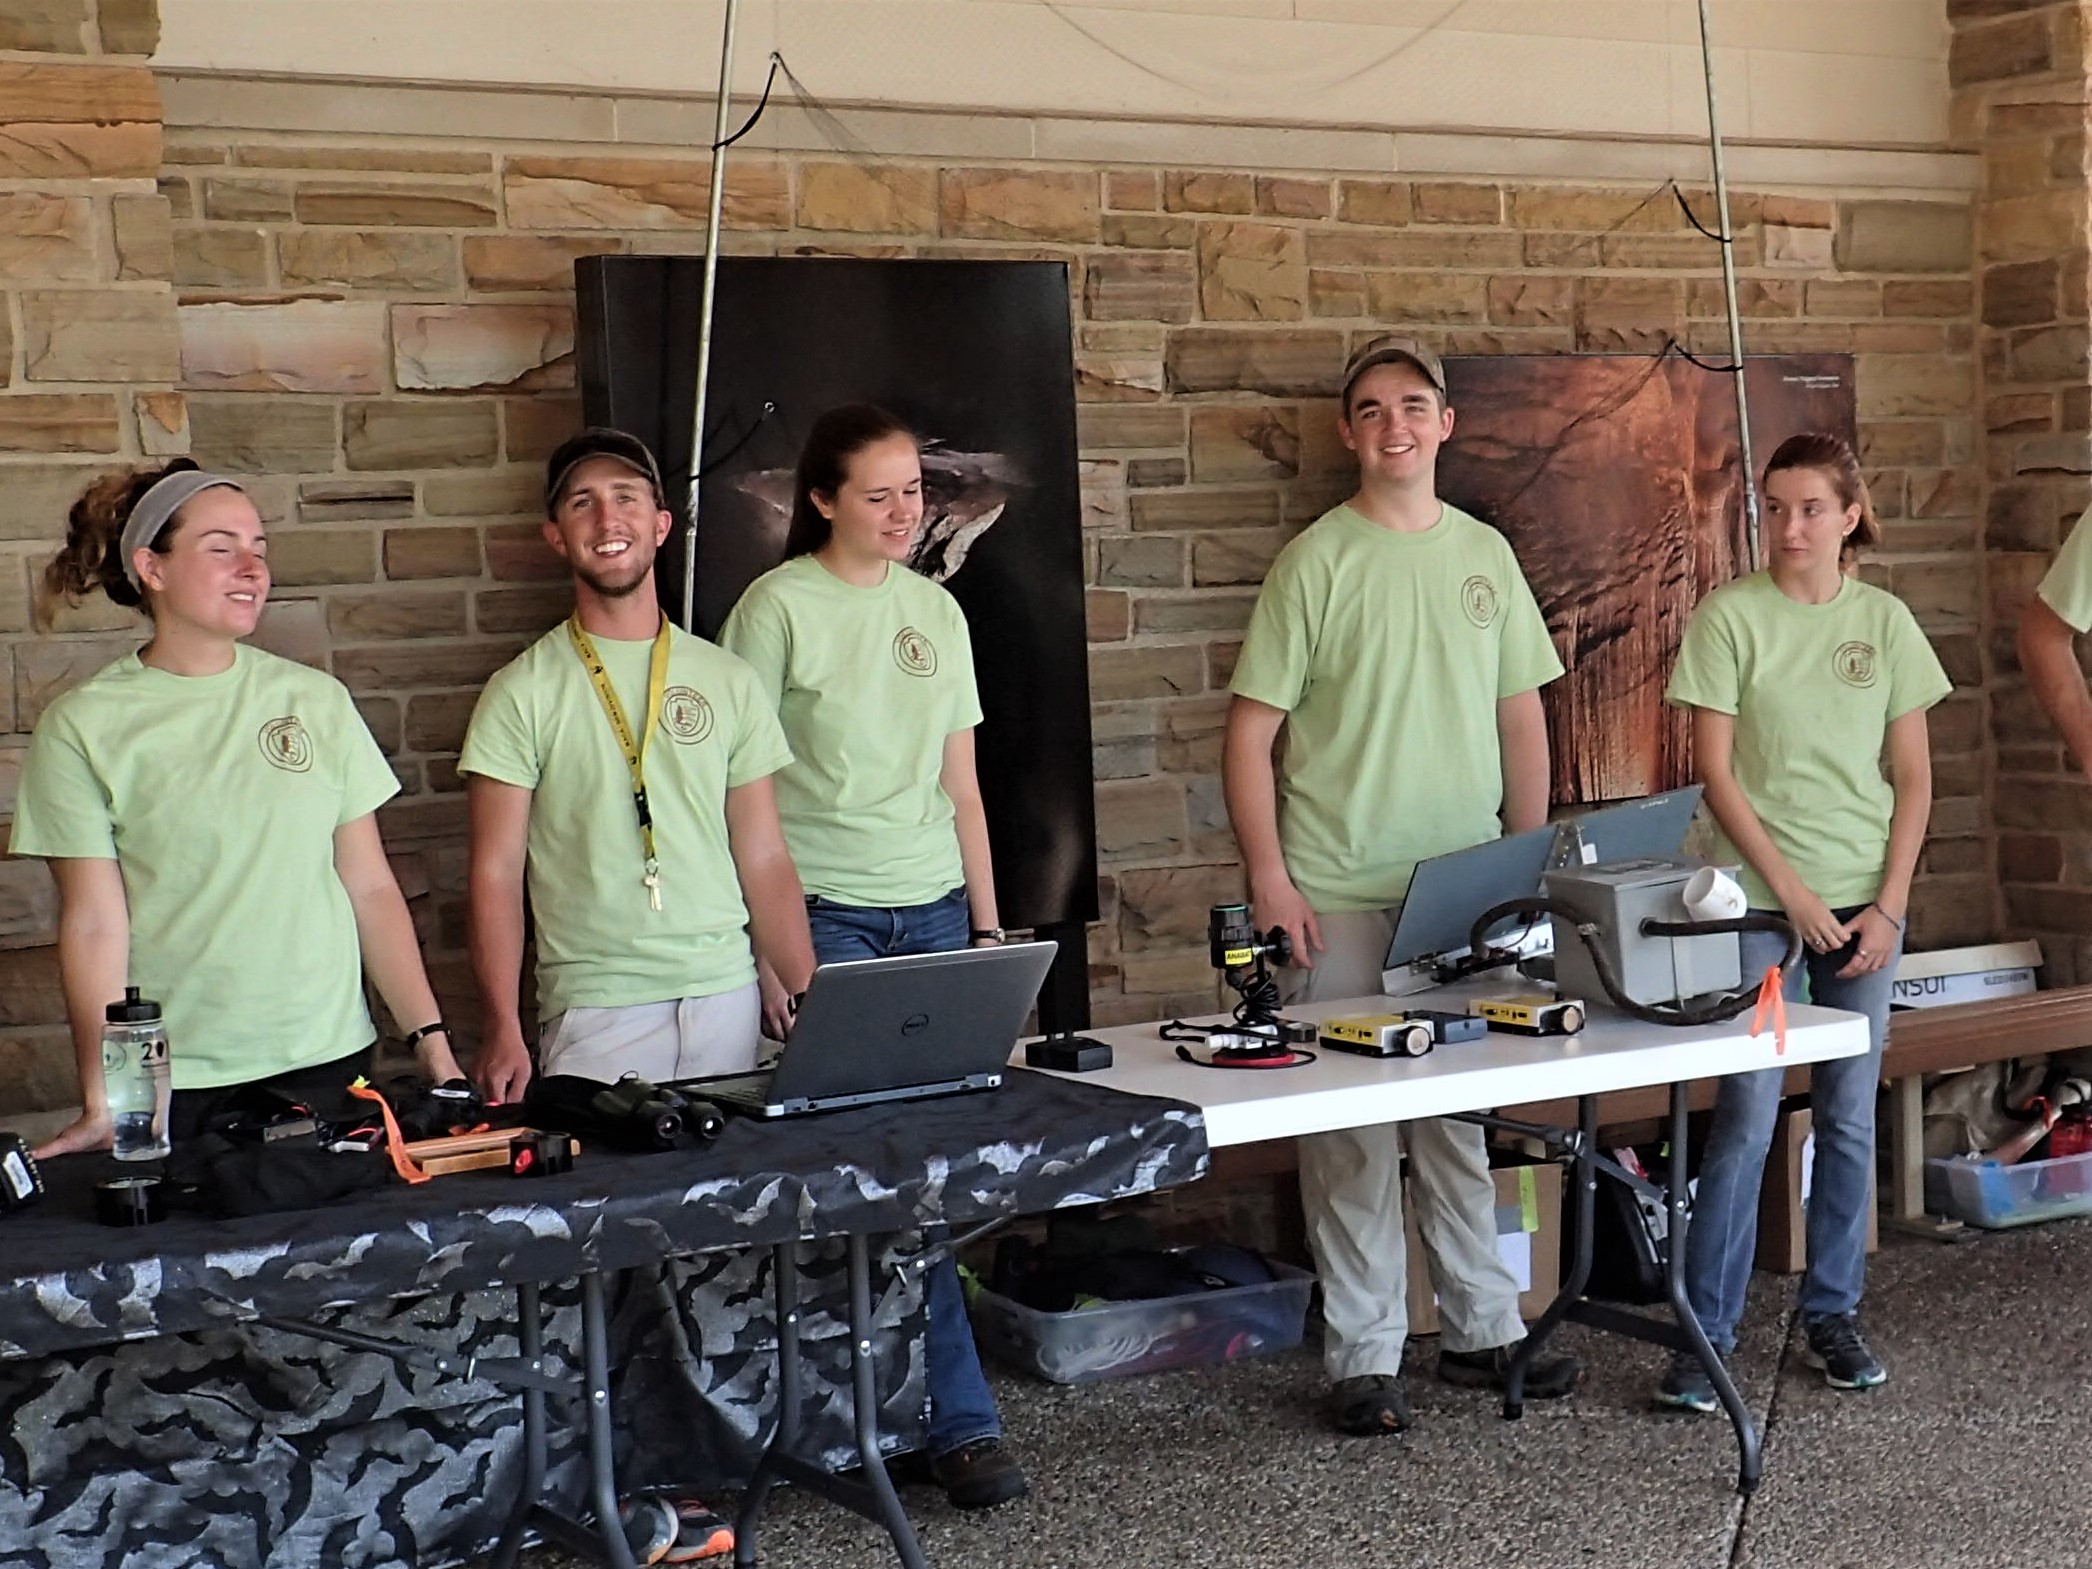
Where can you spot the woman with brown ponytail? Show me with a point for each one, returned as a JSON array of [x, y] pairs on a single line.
[[207, 813]]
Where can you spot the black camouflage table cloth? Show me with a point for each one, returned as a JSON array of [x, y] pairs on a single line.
[[149, 1426]]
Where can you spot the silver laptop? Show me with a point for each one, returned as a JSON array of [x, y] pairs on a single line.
[[873, 1030]]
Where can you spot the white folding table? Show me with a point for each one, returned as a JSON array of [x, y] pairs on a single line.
[[1468, 1079]]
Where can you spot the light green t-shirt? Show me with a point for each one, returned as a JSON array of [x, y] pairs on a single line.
[[868, 683], [218, 797], [2067, 589], [1389, 653], [540, 726], [1813, 689]]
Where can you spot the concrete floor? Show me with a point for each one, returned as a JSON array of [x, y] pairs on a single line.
[[1972, 1457]]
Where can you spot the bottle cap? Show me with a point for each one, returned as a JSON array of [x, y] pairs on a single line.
[[134, 1009]]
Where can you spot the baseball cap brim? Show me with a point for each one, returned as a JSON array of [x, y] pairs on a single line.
[[1415, 355], [600, 442]]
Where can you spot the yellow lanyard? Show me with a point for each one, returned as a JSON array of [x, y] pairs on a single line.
[[635, 751]]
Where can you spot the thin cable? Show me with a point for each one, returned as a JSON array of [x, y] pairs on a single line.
[[1686, 208], [776, 60]]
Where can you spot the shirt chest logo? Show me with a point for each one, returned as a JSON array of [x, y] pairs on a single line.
[[285, 743], [685, 715], [1478, 599], [1855, 663], [914, 653]]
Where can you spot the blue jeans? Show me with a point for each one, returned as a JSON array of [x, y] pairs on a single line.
[[1723, 1236], [962, 1408]]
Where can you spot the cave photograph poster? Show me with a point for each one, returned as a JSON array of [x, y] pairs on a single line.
[[1618, 479], [977, 358]]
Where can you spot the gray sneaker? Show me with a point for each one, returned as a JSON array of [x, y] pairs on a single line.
[[1835, 1345], [1686, 1386]]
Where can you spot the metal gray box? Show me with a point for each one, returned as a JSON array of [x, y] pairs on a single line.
[[1617, 898]]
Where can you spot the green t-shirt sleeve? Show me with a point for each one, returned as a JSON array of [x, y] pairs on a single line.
[[758, 748], [1706, 675], [2067, 589], [1526, 658], [966, 694], [1916, 677], [367, 780], [501, 741], [62, 808], [1279, 648], [757, 632]]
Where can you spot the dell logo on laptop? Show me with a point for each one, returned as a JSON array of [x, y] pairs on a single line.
[[915, 1024]]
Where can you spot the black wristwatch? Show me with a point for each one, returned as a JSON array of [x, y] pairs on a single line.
[[986, 934]]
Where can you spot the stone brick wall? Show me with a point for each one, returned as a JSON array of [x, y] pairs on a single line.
[[2020, 78], [381, 327], [89, 357]]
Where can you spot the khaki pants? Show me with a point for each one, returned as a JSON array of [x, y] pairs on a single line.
[[686, 1038], [1351, 1189]]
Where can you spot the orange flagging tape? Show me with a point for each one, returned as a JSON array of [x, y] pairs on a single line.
[[1772, 1001], [396, 1146]]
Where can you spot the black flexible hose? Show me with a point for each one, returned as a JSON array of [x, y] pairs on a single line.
[[1726, 1006]]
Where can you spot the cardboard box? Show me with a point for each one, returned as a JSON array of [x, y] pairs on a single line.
[[1528, 1239], [1951, 975], [1783, 1197]]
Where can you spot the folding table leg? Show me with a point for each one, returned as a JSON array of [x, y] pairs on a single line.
[[1585, 1176], [784, 1262], [865, 1407], [595, 1342], [530, 1338], [1676, 1195]]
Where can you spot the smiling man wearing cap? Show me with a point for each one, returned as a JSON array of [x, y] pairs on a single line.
[[1397, 646], [623, 766]]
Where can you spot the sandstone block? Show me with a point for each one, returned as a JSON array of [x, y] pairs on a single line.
[[1994, 51], [1017, 204], [1245, 443], [2016, 412], [1688, 252], [99, 335], [500, 263], [1197, 612], [1904, 236], [436, 721], [1148, 231], [423, 665], [395, 204], [1140, 819], [517, 552], [1927, 297], [1136, 190], [367, 259], [1532, 302], [2029, 228], [868, 198], [59, 422], [1204, 509], [220, 256], [419, 433], [401, 160], [1804, 249], [1628, 313], [1103, 494], [1402, 298], [1104, 428], [1336, 293], [1252, 273], [1283, 198], [1278, 364], [314, 557], [28, 906], [2050, 354], [1124, 675], [1140, 286], [1154, 472], [1593, 212], [642, 193], [1450, 201], [513, 491], [1199, 190], [144, 231], [1166, 906], [1107, 615], [1140, 561], [78, 120], [246, 201], [432, 552], [163, 423], [47, 668], [45, 26], [1219, 560], [301, 346], [129, 26], [482, 347], [532, 427], [395, 613], [1477, 250], [30, 990], [15, 571], [354, 500], [1117, 377], [532, 610], [246, 435], [1383, 203], [294, 629], [1843, 297], [46, 238]]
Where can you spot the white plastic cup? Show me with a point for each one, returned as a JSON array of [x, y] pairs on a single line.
[[1711, 894]]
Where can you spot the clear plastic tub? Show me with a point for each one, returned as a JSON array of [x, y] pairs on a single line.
[[1984, 1193], [1114, 1339]]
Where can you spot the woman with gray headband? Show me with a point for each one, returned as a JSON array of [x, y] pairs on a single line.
[[207, 812]]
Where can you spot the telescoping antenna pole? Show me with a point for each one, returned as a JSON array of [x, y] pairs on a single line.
[[1721, 201], [704, 310]]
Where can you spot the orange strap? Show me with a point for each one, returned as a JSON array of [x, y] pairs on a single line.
[[1772, 1002], [395, 1143]]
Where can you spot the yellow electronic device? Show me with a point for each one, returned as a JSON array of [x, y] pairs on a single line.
[[1378, 1035], [1536, 1014]]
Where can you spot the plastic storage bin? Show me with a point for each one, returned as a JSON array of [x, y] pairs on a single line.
[[1984, 1193], [1114, 1339]]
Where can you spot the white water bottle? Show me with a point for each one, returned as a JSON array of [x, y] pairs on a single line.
[[135, 1074]]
